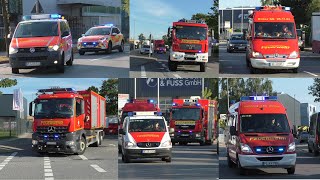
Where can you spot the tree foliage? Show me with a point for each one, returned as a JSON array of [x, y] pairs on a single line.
[[141, 38], [109, 89], [314, 90], [94, 89], [126, 6], [166, 39], [6, 82], [211, 88]]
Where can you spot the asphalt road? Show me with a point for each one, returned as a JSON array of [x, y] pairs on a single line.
[[156, 66], [90, 65], [307, 167], [188, 162], [234, 65], [17, 161]]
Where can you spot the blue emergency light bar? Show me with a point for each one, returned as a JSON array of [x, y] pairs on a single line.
[[41, 16], [150, 101], [107, 25], [57, 89], [174, 104], [258, 98], [261, 7]]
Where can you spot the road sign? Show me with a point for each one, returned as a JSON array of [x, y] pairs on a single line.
[[227, 24]]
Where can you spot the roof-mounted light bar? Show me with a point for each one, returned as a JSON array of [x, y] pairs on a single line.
[[145, 113], [41, 16], [56, 89], [258, 98]]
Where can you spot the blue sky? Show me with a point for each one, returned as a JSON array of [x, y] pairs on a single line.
[[155, 16], [29, 86], [238, 3]]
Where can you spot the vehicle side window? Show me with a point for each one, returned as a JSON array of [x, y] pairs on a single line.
[[125, 124], [118, 31], [114, 30], [64, 29], [79, 107], [312, 124]]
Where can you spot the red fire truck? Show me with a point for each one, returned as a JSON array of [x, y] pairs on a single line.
[[272, 39], [259, 135], [189, 44], [159, 46], [193, 120], [67, 121]]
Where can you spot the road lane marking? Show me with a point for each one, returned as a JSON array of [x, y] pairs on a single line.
[[112, 145], [99, 58], [176, 75], [83, 157], [98, 168], [48, 173], [310, 73], [143, 72], [7, 160]]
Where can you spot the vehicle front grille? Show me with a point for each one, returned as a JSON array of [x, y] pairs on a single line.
[[56, 129], [190, 46], [189, 127], [269, 158], [35, 58], [36, 49], [267, 149], [148, 144]]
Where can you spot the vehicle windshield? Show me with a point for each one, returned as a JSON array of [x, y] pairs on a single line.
[[147, 125], [185, 113], [37, 29], [190, 32], [146, 46], [160, 45], [237, 37], [98, 31], [112, 120], [299, 33], [54, 108], [264, 123], [274, 30]]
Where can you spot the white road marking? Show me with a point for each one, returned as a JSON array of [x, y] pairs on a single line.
[[143, 72], [163, 65], [176, 75], [83, 157], [48, 174], [311, 73], [99, 58], [112, 145], [98, 168], [7, 160]]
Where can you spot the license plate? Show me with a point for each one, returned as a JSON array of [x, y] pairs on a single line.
[[90, 46], [51, 143], [148, 151], [276, 64], [267, 163], [185, 135], [33, 63], [189, 56], [241, 47]]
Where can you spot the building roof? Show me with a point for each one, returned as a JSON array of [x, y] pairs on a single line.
[[91, 2]]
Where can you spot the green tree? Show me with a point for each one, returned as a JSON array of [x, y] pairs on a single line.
[[314, 89], [165, 38], [109, 89], [212, 86], [141, 38], [94, 89], [207, 93], [5, 20], [126, 6], [6, 82]]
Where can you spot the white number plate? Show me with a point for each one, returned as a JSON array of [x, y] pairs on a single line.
[[184, 135], [267, 163], [189, 56], [276, 64], [51, 143], [240, 47], [89, 46], [148, 151], [33, 63]]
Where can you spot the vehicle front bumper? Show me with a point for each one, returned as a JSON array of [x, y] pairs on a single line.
[[39, 59], [251, 161], [279, 64], [65, 145], [184, 57], [93, 48], [186, 137], [238, 48], [138, 153]]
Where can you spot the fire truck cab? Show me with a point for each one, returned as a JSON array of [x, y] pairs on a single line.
[[272, 39], [41, 41], [314, 134], [145, 135], [259, 135]]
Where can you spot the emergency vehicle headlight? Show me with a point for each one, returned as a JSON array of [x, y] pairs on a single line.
[[257, 55], [198, 134], [54, 48], [70, 143], [166, 144], [245, 148], [13, 50], [80, 40], [287, 8], [34, 142], [231, 44], [292, 147], [294, 54], [129, 144]]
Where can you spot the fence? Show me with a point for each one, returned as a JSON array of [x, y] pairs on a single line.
[[12, 127]]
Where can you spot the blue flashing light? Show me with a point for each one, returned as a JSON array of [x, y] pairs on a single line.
[[130, 113], [150, 101], [287, 8], [84, 43], [198, 104], [130, 100], [27, 17], [45, 136], [56, 135], [179, 131], [258, 149], [259, 8], [174, 104], [94, 43], [281, 149], [108, 25], [258, 98], [55, 16], [159, 113], [190, 131], [199, 51]]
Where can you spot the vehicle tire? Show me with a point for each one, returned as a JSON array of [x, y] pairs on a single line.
[[15, 70], [125, 159], [119, 149], [203, 67], [315, 151], [230, 162], [183, 143], [82, 146], [101, 137], [60, 68], [228, 51], [302, 48], [172, 65], [309, 149], [202, 142], [210, 142], [82, 53], [295, 70], [242, 171], [168, 159], [121, 48], [70, 62], [97, 143], [109, 50], [253, 70], [173, 143], [291, 170]]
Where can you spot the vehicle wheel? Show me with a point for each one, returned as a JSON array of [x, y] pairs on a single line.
[[125, 158], [202, 142], [228, 50], [60, 68], [121, 48], [173, 143], [302, 49], [203, 67], [172, 65], [119, 149], [15, 70], [42, 153], [253, 70], [242, 171], [82, 52], [168, 159], [82, 146], [291, 170], [109, 50], [315, 151], [309, 149], [230, 162], [101, 138], [295, 70], [70, 62], [210, 142], [97, 143]]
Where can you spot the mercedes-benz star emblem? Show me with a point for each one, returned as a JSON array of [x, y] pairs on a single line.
[[148, 144], [32, 50], [51, 129], [269, 149]]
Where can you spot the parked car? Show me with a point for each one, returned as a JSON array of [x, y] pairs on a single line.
[[146, 49], [112, 125]]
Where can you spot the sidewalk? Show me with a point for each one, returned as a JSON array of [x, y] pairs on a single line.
[[3, 57], [25, 135]]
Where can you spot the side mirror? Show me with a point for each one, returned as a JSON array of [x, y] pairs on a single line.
[[9, 36], [113, 34], [86, 119], [233, 131], [249, 38], [171, 130], [83, 35], [122, 132], [30, 109], [64, 34]]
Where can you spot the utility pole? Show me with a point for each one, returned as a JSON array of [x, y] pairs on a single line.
[[4, 6], [37, 7], [228, 91]]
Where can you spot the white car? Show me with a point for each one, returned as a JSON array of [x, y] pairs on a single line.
[[146, 49]]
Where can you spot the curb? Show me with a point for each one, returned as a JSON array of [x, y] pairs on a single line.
[[4, 62]]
